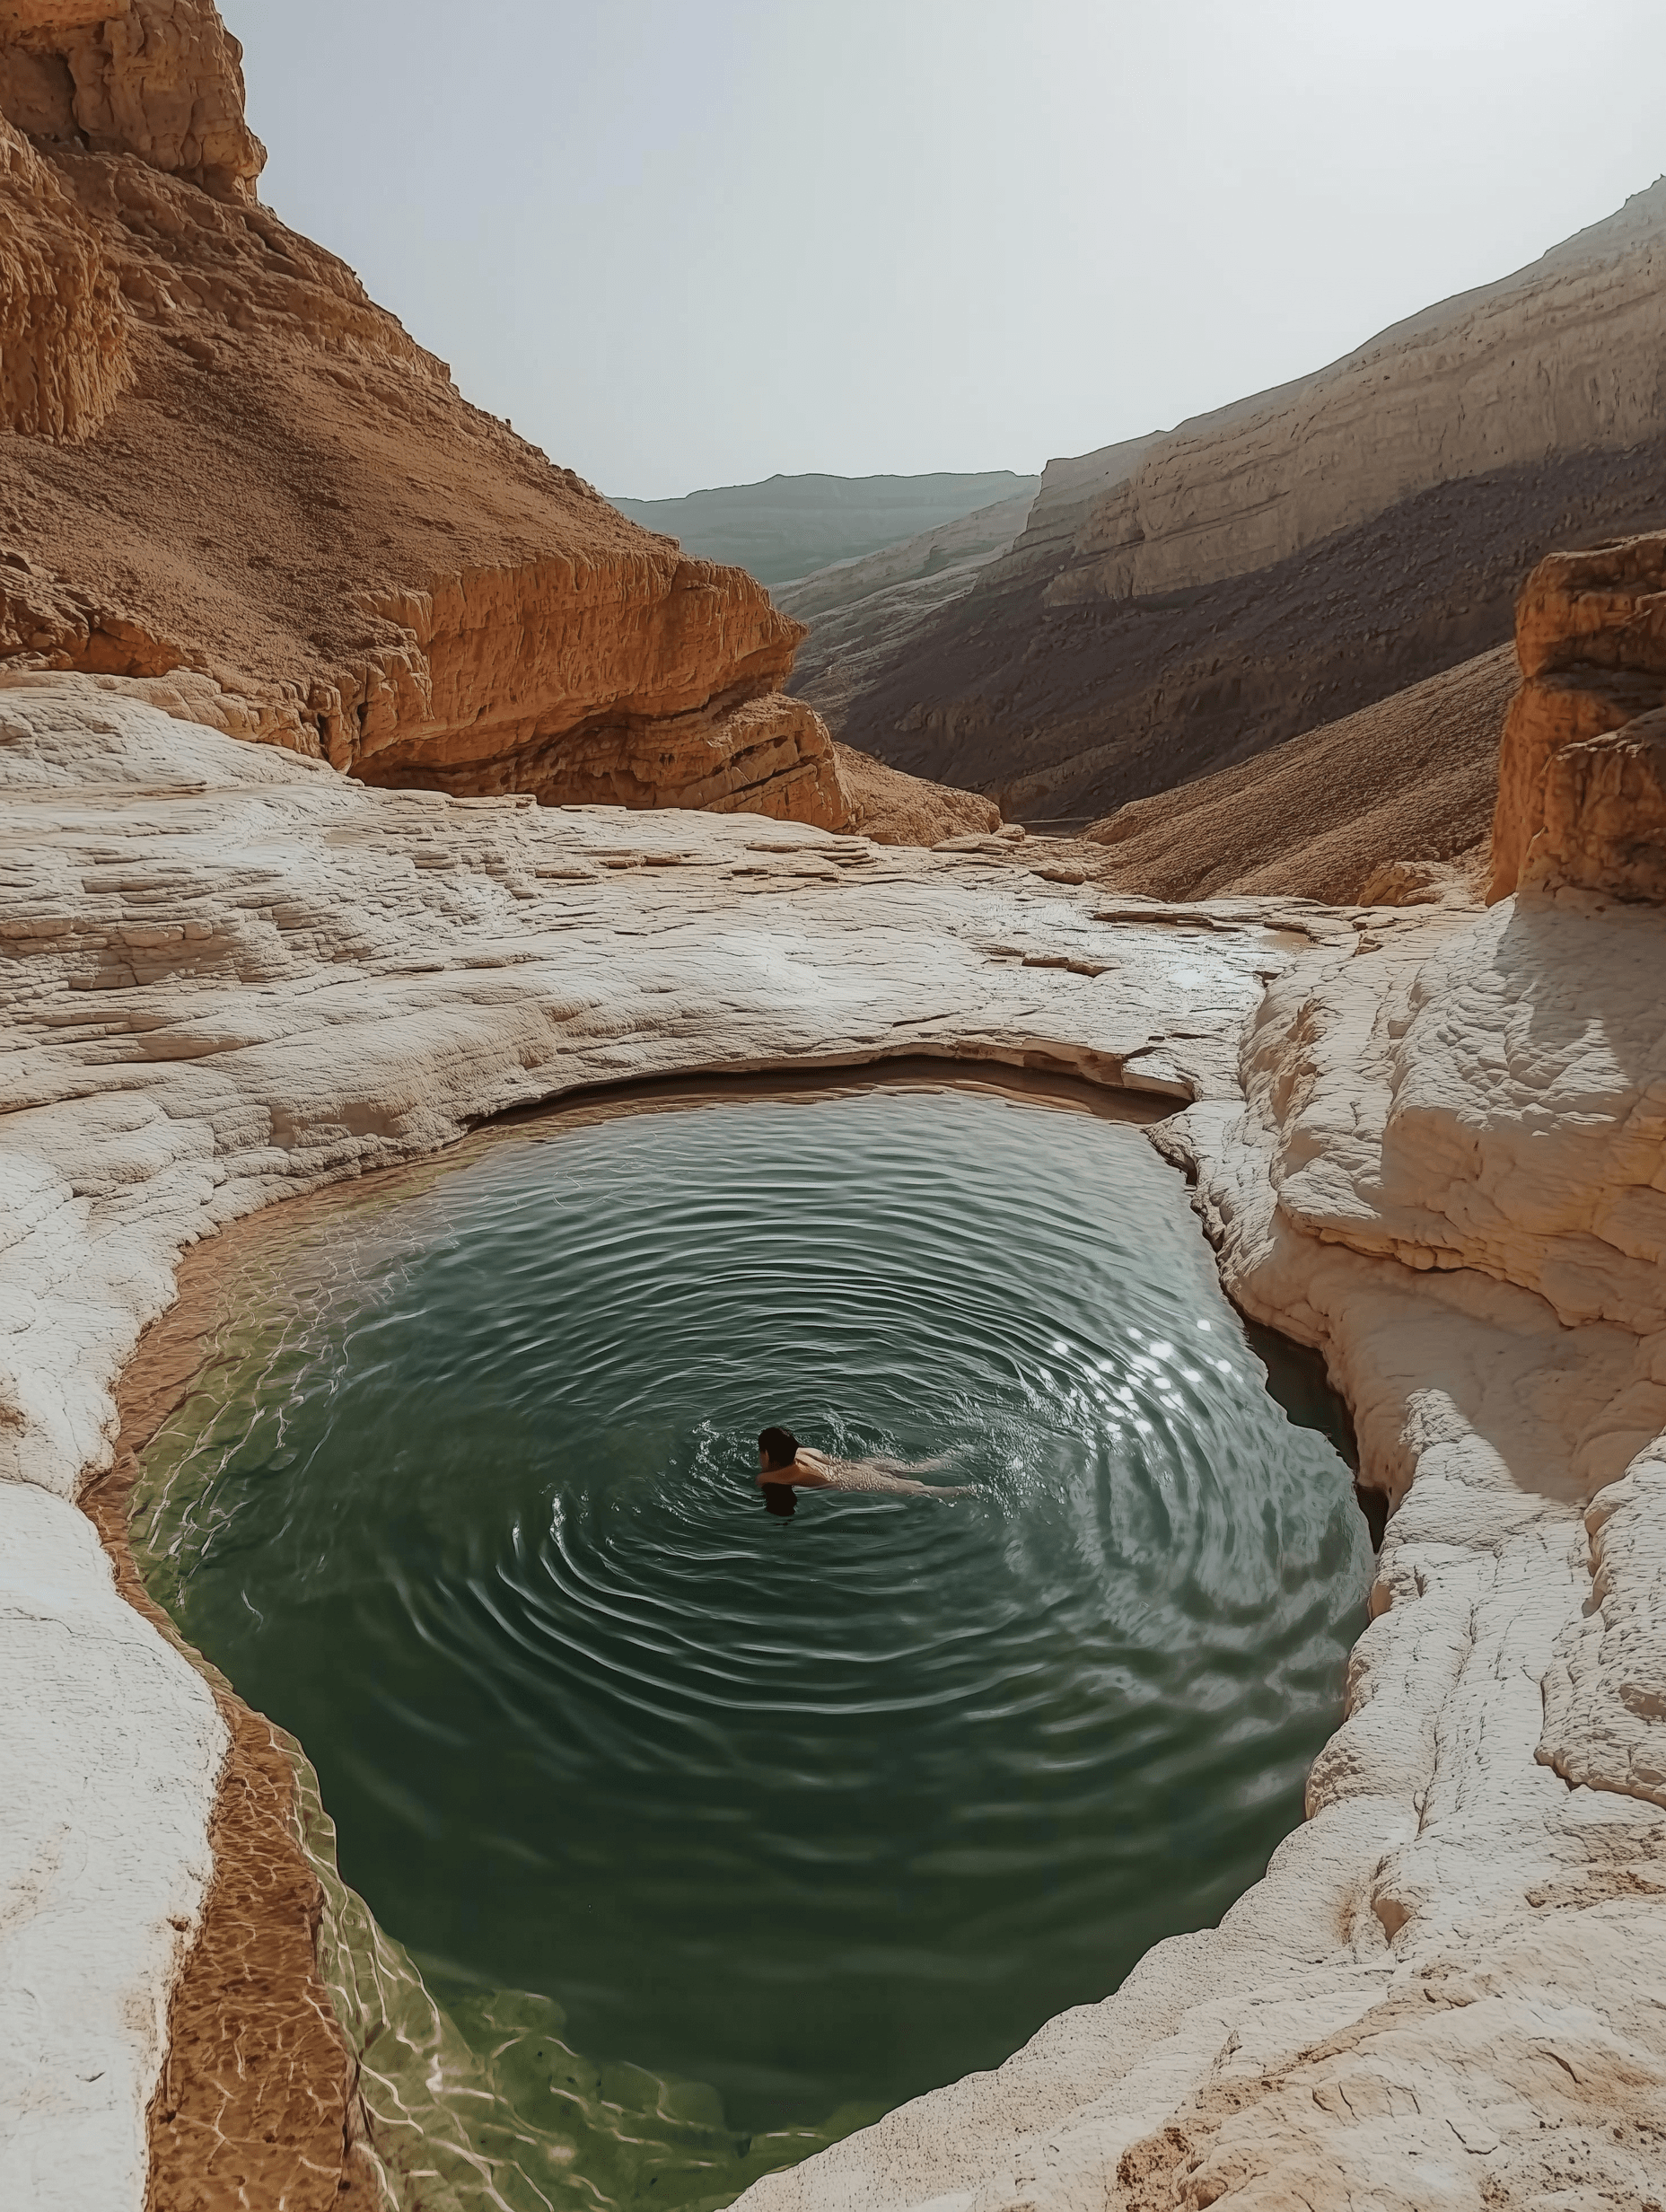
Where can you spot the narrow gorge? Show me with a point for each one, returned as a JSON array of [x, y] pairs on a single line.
[[465, 1017]]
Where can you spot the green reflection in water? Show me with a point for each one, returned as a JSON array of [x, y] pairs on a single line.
[[786, 1820]]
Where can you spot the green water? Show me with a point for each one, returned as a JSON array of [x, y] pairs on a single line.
[[781, 1820]]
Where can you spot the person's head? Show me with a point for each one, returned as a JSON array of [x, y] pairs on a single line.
[[777, 1448]]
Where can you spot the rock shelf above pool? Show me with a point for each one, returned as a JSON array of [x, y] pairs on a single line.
[[1428, 1141]]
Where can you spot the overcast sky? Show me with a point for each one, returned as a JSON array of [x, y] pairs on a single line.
[[689, 242]]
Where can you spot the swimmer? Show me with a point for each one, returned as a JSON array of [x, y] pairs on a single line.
[[783, 1465]]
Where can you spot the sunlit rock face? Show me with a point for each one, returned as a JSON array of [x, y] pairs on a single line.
[[235, 467], [161, 79], [1578, 805], [63, 352], [1556, 358], [1605, 816]]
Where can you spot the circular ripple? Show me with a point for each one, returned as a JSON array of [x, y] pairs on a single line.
[[816, 1810]]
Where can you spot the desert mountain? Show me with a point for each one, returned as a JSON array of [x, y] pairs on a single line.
[[1182, 602], [789, 526], [861, 612], [227, 474], [1414, 778]]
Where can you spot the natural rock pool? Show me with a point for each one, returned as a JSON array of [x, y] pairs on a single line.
[[816, 1812]]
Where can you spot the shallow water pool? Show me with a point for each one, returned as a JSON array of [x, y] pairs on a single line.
[[818, 1812]]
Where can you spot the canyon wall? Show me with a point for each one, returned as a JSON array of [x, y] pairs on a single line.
[[229, 468], [1414, 777], [954, 550], [1563, 356], [1069, 494], [63, 352], [862, 612], [1181, 604], [161, 79], [791, 526], [1573, 772]]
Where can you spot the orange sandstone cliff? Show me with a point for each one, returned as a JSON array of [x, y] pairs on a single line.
[[227, 472], [1580, 793]]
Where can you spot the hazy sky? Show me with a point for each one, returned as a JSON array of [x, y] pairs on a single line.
[[687, 242]]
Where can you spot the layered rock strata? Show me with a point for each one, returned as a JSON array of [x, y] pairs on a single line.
[[1079, 709], [957, 549], [232, 469], [1066, 501], [1590, 643], [862, 612], [1561, 357], [1266, 569], [1422, 1140]]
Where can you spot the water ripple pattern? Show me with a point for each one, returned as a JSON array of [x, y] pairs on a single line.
[[819, 1812]]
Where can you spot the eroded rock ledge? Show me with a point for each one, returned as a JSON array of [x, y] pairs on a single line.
[[1425, 1140], [231, 468], [1580, 802]]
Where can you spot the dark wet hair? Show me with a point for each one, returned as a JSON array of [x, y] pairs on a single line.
[[779, 1446]]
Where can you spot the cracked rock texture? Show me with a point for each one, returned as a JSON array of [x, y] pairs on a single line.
[[1590, 639], [161, 79], [1429, 1141], [63, 352], [238, 472]]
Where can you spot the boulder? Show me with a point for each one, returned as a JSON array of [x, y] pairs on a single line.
[[1590, 640], [1604, 816]]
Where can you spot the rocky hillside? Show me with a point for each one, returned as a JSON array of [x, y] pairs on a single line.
[[1193, 599], [862, 612], [1538, 766], [227, 472], [791, 525], [1414, 779]]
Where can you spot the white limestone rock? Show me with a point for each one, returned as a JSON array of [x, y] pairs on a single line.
[[1424, 1141]]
